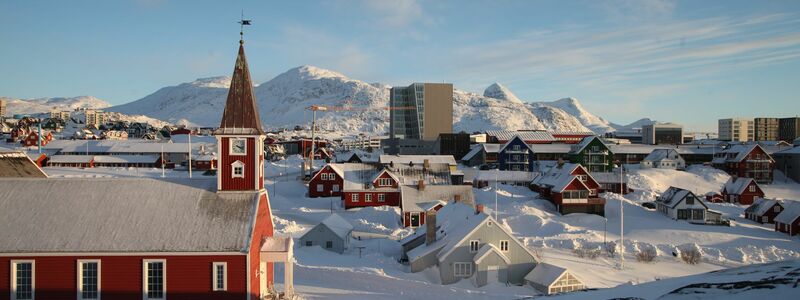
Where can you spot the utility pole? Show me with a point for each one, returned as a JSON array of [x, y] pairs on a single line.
[[190, 153], [310, 161], [162, 161], [621, 222], [495, 196]]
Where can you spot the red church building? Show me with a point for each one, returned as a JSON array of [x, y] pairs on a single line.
[[135, 238]]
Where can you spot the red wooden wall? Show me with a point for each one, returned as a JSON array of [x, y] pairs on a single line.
[[225, 168]]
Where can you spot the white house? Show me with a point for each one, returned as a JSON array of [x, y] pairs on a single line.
[[680, 204], [664, 159]]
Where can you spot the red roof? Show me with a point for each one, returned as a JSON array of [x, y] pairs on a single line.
[[241, 113]]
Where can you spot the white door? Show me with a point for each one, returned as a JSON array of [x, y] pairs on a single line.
[[492, 274]]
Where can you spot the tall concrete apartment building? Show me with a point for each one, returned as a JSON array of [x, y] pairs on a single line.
[[95, 118], [765, 129], [736, 129], [421, 111], [662, 133], [2, 108], [789, 129]]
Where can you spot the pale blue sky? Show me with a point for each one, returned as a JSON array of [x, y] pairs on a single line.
[[690, 62]]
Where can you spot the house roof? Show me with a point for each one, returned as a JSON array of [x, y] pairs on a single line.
[[111, 159], [454, 221], [662, 154], [739, 152], [551, 148], [559, 178], [123, 215], [18, 164], [277, 244], [338, 225], [413, 199], [583, 143], [545, 274], [487, 249], [507, 135], [491, 175], [241, 113], [518, 138], [435, 174], [355, 176], [417, 159], [761, 206], [674, 195], [71, 159], [608, 177], [477, 148], [791, 211], [737, 185]]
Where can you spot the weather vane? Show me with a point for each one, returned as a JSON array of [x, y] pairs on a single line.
[[243, 22]]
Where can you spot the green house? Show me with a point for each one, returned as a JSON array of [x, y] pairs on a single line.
[[593, 154]]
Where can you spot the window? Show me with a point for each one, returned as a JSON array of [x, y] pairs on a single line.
[[381, 197], [368, 198], [385, 182], [237, 169], [777, 208], [328, 244], [331, 176], [238, 146], [88, 279], [414, 219], [335, 188], [764, 219], [504, 246], [23, 276], [154, 273], [354, 198], [515, 157], [582, 178], [689, 200], [752, 188], [219, 276], [474, 245], [320, 188], [462, 269], [516, 147], [323, 176]]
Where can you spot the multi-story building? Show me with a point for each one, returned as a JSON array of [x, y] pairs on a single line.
[[662, 133], [765, 129], [789, 129], [593, 154], [735, 129], [2, 108], [94, 118], [421, 111], [750, 161]]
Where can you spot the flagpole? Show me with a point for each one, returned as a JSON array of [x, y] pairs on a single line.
[[190, 153]]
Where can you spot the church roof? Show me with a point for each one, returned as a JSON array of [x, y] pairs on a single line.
[[241, 113]]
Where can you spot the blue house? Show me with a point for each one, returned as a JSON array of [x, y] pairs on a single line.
[[515, 155]]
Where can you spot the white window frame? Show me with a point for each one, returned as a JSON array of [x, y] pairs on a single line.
[[323, 176], [367, 197], [230, 146], [765, 219], [80, 278], [502, 244], [234, 165], [776, 208], [752, 188], [354, 198], [215, 274], [13, 287], [320, 187], [462, 269], [384, 181], [381, 197], [335, 188], [144, 278], [477, 246]]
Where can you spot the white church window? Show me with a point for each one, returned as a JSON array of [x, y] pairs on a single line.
[[237, 169]]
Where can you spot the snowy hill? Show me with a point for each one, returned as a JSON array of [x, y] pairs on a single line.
[[283, 100], [635, 124], [44, 105]]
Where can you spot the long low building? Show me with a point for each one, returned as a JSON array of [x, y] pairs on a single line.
[[177, 153], [125, 161]]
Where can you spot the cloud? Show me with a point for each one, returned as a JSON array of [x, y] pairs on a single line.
[[636, 10], [395, 13]]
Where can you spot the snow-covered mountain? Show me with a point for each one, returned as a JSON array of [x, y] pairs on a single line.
[[43, 105], [283, 99]]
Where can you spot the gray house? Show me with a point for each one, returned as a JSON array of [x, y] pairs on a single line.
[[466, 243], [332, 234]]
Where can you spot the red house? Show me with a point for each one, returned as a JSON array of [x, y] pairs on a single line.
[[749, 161], [741, 190], [328, 181], [380, 188], [205, 162], [788, 221], [32, 139], [571, 188], [133, 238], [763, 210]]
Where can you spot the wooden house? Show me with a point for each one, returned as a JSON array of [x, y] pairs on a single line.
[[680, 204], [763, 210], [571, 188], [664, 159], [515, 155], [741, 190], [788, 221], [332, 234], [551, 279], [593, 154], [750, 161]]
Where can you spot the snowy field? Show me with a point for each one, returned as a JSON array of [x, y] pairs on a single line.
[[375, 274]]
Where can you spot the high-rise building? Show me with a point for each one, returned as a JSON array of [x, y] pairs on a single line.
[[789, 129], [735, 129], [95, 118], [765, 129], [2, 108], [662, 133], [421, 111]]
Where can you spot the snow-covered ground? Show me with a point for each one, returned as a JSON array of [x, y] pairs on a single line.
[[376, 274]]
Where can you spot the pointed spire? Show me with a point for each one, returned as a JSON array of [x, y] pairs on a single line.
[[241, 113]]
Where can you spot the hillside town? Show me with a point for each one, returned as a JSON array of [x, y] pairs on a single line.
[[102, 202]]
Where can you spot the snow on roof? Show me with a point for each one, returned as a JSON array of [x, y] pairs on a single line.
[[277, 244], [551, 148], [484, 252], [761, 206], [739, 153], [72, 159], [791, 211], [414, 199], [506, 135], [434, 174], [454, 221], [361, 154], [123, 215], [608, 177], [545, 274], [558, 178], [518, 176], [662, 154], [474, 150], [355, 175], [737, 185], [674, 195], [512, 140], [18, 164], [417, 159], [338, 225], [795, 150], [120, 146], [584, 142], [117, 159]]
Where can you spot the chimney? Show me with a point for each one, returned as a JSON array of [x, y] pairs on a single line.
[[734, 177], [560, 162], [479, 209], [430, 227], [421, 185], [456, 198]]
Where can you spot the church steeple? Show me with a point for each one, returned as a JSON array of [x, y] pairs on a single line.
[[241, 113]]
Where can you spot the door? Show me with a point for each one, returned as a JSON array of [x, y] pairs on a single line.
[[414, 219], [262, 279], [492, 274]]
